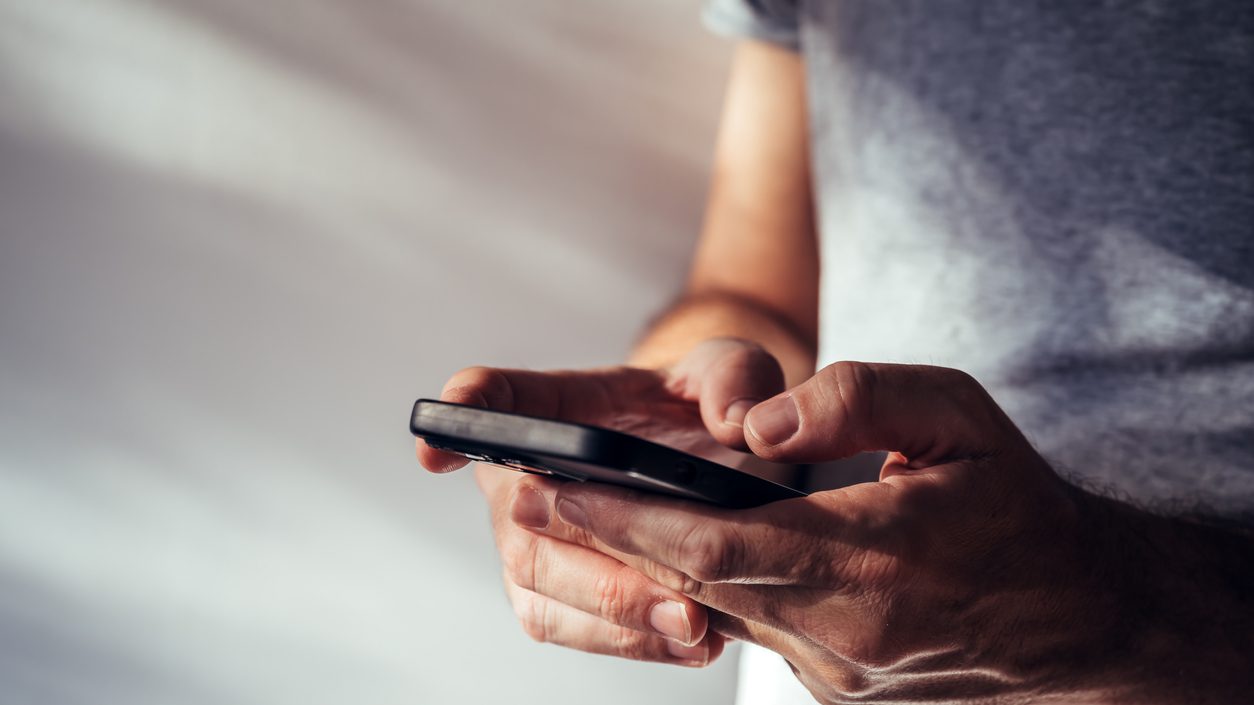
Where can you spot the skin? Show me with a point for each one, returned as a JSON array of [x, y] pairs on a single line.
[[970, 572], [749, 312]]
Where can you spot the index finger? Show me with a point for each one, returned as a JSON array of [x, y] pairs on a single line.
[[581, 396]]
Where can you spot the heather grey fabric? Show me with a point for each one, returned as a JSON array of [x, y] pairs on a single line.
[[1057, 197]]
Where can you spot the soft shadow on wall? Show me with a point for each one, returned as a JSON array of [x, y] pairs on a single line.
[[236, 240]]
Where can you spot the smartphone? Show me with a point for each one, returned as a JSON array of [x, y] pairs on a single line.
[[582, 453]]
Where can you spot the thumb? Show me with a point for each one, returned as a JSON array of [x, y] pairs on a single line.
[[727, 377], [927, 414]]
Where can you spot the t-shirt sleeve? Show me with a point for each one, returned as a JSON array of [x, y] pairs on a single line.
[[773, 21]]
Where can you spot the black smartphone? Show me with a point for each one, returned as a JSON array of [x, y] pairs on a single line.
[[586, 453]]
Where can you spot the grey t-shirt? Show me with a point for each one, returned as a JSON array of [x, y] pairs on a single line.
[[1056, 196]]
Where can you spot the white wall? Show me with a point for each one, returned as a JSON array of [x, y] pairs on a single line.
[[237, 239]]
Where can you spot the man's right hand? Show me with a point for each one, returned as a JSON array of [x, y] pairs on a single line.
[[566, 588]]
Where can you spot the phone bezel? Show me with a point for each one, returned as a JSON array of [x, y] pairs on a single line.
[[581, 452]]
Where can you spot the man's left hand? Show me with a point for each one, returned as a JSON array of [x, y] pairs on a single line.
[[970, 572]]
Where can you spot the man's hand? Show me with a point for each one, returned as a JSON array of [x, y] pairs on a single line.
[[970, 572], [566, 588]]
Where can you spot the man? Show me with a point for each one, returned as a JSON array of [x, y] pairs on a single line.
[[1055, 198]]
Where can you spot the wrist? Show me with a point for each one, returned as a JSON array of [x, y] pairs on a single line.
[[1180, 632], [696, 318]]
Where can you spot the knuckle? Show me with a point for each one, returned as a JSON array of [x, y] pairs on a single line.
[[486, 385], [707, 552], [852, 684], [875, 645], [494, 486], [746, 354], [870, 651], [750, 363], [956, 378], [839, 681], [533, 615], [978, 407], [851, 390], [963, 388], [675, 580], [582, 537], [519, 555], [629, 643], [611, 595], [713, 349]]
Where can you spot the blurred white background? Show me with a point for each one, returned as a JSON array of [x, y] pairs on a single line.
[[237, 239]]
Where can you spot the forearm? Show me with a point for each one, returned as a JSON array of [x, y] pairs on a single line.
[[755, 271], [701, 316]]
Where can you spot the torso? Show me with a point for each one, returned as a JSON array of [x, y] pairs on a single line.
[[1057, 197]]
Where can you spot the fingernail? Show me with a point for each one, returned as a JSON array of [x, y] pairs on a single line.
[[671, 620], [530, 509], [698, 655], [774, 421], [572, 514], [735, 414]]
